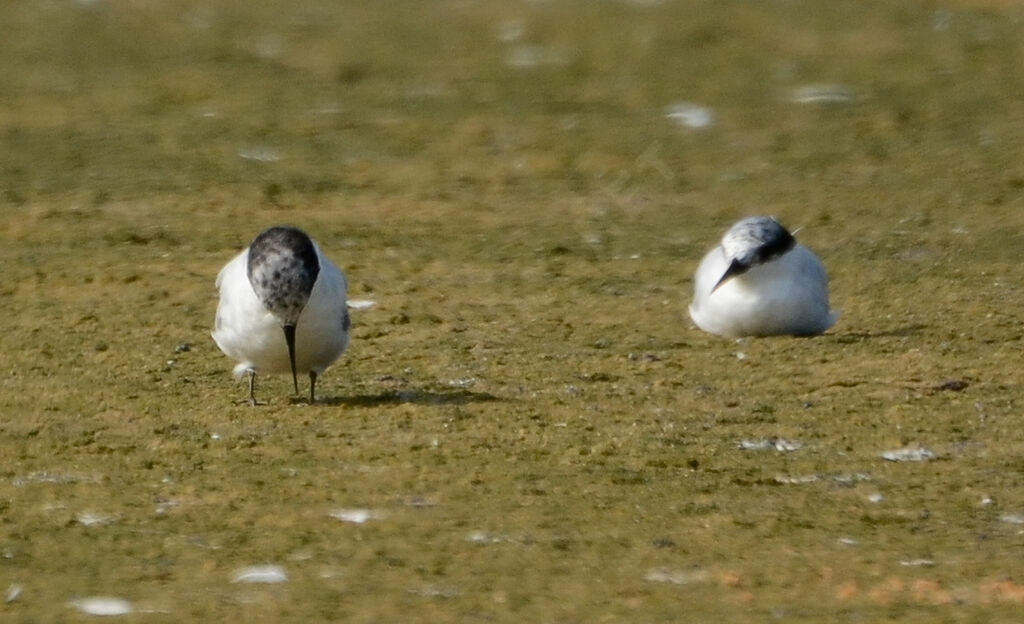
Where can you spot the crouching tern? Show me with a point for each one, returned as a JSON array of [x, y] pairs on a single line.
[[761, 282], [282, 307]]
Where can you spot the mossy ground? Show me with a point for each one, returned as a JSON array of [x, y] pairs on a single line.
[[538, 427]]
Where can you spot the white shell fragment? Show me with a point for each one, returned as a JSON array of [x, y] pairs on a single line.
[[677, 577], [1012, 518], [690, 115], [103, 605], [822, 94], [795, 479], [91, 518], [360, 304], [355, 516], [436, 591], [260, 574], [260, 154], [778, 444], [914, 454], [483, 537], [13, 593]]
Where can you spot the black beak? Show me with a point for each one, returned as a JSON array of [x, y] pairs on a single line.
[[735, 268], [289, 337]]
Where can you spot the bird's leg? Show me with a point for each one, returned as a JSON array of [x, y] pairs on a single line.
[[312, 387], [252, 387], [251, 400]]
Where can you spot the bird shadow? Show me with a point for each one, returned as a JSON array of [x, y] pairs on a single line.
[[409, 397], [896, 332]]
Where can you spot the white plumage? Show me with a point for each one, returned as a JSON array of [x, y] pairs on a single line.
[[248, 331], [761, 282]]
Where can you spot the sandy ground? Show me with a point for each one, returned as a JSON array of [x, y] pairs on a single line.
[[527, 423]]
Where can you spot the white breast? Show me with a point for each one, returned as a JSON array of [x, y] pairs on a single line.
[[245, 331]]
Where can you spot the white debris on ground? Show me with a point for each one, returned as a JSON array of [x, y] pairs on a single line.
[[260, 574], [355, 516], [103, 605], [915, 453]]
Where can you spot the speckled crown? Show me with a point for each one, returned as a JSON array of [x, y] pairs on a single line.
[[282, 268]]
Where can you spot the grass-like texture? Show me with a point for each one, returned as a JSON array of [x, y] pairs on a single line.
[[533, 426]]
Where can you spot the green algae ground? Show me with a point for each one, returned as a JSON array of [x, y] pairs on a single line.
[[533, 426]]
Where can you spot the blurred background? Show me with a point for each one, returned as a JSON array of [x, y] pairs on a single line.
[[120, 99]]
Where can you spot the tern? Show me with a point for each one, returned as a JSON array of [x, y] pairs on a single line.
[[282, 308], [760, 282]]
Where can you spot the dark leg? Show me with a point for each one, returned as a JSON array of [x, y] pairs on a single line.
[[312, 387], [251, 400], [252, 387]]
